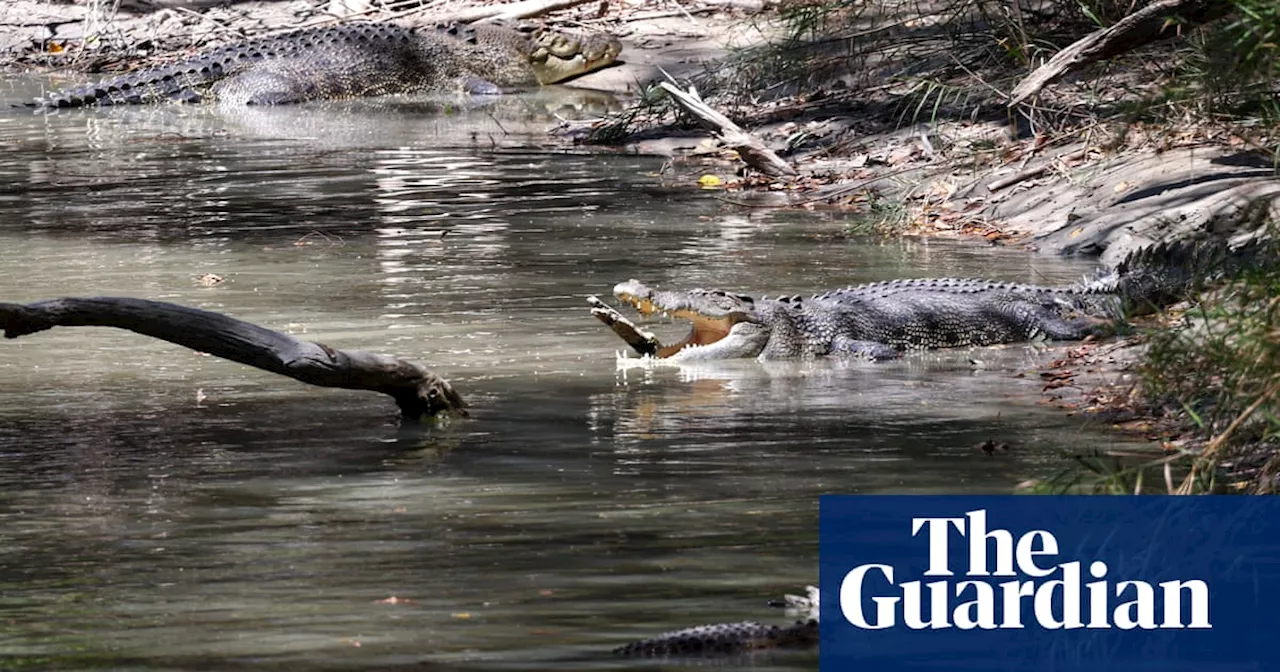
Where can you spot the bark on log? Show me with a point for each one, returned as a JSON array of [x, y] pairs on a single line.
[[752, 150], [419, 392], [1147, 25]]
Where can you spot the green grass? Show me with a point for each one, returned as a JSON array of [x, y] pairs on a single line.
[[956, 59], [1213, 373], [1219, 369]]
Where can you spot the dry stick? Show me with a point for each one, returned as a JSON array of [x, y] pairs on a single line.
[[748, 5], [526, 9], [1210, 453], [515, 10], [1032, 172], [1138, 29], [204, 19], [383, 15], [752, 151], [668, 15], [419, 392], [684, 11]]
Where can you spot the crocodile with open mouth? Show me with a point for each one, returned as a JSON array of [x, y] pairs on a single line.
[[352, 61], [882, 320]]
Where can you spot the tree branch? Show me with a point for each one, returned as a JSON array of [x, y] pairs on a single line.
[[750, 148], [418, 392], [1149, 24]]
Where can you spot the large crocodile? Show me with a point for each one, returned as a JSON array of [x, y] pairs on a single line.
[[352, 61], [882, 320], [735, 638]]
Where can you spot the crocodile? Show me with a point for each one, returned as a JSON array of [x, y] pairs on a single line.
[[882, 320], [352, 61], [735, 638]]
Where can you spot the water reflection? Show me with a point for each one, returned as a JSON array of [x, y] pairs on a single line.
[[164, 510]]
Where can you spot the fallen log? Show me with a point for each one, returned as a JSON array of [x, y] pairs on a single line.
[[417, 391], [750, 148], [1149, 24]]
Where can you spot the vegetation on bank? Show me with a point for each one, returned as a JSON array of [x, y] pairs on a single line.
[[1218, 370], [1208, 384], [905, 62]]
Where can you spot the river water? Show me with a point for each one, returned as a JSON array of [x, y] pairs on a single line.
[[164, 510]]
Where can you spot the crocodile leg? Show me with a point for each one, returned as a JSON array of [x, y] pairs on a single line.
[[1058, 328]]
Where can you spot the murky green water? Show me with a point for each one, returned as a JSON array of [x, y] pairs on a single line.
[[164, 510]]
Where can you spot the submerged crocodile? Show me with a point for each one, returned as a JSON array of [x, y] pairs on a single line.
[[882, 320], [352, 61], [734, 638]]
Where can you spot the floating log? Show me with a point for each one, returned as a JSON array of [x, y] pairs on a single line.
[[418, 392]]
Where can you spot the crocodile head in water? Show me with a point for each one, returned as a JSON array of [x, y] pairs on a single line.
[[725, 325]]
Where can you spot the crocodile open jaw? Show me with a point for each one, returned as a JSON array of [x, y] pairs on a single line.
[[714, 316], [704, 330]]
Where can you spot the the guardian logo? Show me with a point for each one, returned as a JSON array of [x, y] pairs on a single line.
[[1013, 582]]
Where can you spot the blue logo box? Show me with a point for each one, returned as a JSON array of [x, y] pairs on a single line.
[[1050, 584]]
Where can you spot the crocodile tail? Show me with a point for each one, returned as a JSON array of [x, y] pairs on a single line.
[[173, 82], [723, 638], [184, 79], [1156, 276]]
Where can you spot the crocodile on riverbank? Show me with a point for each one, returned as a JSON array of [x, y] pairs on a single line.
[[882, 320], [354, 60], [734, 638]]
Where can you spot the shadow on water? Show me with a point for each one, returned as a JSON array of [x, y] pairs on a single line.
[[164, 510]]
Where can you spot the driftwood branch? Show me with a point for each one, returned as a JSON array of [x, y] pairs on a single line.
[[1149, 24], [419, 392], [752, 150]]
